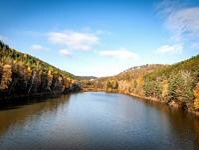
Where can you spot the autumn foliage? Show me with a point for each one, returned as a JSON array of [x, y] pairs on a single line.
[[22, 74], [167, 83]]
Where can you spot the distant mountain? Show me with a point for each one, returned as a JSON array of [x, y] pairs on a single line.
[[24, 75], [85, 77]]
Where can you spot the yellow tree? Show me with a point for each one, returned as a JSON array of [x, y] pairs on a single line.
[[196, 94], [6, 77]]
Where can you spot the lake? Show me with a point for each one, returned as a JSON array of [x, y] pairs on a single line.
[[96, 121]]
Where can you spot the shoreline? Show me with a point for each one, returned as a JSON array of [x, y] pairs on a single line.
[[172, 104]]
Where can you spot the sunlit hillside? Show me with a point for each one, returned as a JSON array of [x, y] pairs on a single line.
[[24, 75]]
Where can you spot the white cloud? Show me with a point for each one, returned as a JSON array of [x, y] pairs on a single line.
[[184, 23], [3, 38], [64, 52], [38, 47], [120, 54], [181, 20], [170, 49], [74, 40]]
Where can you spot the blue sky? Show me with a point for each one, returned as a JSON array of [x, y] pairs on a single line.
[[102, 38]]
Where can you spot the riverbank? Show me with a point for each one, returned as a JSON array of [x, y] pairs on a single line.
[[43, 95], [172, 104]]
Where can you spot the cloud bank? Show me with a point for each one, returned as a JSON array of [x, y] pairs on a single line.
[[74, 40]]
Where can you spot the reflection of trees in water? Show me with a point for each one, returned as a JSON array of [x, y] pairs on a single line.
[[182, 128], [185, 127], [20, 113], [196, 129], [181, 125]]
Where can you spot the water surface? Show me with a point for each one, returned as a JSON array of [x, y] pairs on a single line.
[[96, 121]]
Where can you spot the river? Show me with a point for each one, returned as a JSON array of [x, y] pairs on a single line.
[[96, 121]]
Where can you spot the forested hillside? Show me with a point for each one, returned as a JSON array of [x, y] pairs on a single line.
[[176, 85], [25, 75]]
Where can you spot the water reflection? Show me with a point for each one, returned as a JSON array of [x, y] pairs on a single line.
[[97, 121], [19, 112]]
